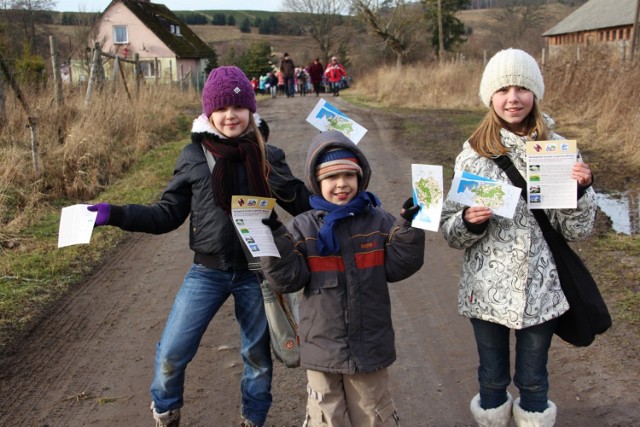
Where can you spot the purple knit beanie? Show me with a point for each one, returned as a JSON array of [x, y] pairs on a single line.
[[227, 86]]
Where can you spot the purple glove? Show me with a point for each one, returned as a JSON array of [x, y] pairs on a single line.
[[103, 213]]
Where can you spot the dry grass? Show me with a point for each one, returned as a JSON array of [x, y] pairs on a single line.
[[596, 98], [81, 149], [600, 96], [448, 86]]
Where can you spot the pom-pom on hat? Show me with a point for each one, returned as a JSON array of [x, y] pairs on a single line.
[[511, 67], [227, 86], [333, 162]]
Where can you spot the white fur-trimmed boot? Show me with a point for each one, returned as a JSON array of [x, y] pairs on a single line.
[[494, 417], [535, 419]]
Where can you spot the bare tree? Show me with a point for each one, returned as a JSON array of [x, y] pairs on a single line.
[[520, 24], [28, 14], [393, 21], [321, 19]]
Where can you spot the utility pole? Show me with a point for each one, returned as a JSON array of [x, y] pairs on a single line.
[[440, 33], [634, 40]]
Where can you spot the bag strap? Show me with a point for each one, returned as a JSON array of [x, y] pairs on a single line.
[[504, 162], [211, 161]]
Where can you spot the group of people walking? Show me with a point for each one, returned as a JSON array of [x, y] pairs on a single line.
[[341, 249], [290, 80]]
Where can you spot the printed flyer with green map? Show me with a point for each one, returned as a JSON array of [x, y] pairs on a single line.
[[473, 190], [428, 194], [325, 116]]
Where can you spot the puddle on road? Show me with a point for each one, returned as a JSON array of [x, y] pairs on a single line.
[[623, 209]]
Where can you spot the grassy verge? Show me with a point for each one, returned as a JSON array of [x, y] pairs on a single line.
[[34, 272]]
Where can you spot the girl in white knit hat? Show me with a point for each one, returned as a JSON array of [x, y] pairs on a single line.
[[508, 277]]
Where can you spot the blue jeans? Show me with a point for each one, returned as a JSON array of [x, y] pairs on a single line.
[[203, 292], [531, 376], [290, 86]]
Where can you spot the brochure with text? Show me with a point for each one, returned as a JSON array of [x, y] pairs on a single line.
[[247, 213], [549, 182]]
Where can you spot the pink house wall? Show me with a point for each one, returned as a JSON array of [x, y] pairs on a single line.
[[141, 40]]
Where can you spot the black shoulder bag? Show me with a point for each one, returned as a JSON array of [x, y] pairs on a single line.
[[588, 314]]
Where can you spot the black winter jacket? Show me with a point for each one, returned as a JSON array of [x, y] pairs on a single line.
[[189, 192]]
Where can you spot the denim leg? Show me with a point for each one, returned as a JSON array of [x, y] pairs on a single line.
[[255, 347], [492, 341], [531, 376], [202, 293]]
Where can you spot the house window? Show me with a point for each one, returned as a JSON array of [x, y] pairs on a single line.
[[120, 34], [175, 29], [148, 69]]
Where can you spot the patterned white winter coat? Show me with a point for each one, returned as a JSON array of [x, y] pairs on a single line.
[[508, 274]]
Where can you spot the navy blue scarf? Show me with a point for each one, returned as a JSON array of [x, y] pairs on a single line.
[[327, 242]]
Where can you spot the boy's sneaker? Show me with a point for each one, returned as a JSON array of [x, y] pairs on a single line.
[[166, 419]]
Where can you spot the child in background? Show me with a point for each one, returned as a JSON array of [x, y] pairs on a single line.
[[227, 156], [509, 279], [335, 72], [343, 254]]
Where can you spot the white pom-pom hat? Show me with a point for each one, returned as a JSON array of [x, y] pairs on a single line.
[[511, 67]]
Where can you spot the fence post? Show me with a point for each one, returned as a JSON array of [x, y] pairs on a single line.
[[93, 73], [4, 67], [55, 63], [34, 145], [124, 81], [3, 104], [136, 73], [181, 77], [114, 74]]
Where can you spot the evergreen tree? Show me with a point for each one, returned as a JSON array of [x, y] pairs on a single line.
[[452, 28], [255, 61], [245, 26]]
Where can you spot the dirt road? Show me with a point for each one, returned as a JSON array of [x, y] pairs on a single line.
[[89, 363]]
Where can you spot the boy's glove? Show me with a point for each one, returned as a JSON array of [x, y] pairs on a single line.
[[103, 210], [273, 222], [409, 210]]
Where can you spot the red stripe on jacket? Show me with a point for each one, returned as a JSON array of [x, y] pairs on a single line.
[[336, 263], [370, 259], [327, 263]]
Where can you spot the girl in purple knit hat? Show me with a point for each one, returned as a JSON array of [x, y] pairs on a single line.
[[228, 155]]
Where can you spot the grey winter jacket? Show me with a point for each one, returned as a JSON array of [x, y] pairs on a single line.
[[345, 310], [508, 274], [190, 192]]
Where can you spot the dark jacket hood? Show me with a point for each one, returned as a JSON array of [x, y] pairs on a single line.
[[327, 140]]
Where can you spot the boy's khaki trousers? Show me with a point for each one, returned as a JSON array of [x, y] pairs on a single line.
[[358, 400]]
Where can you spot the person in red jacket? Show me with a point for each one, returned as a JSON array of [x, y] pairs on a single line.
[[335, 72]]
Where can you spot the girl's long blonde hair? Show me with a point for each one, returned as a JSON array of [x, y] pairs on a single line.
[[486, 139]]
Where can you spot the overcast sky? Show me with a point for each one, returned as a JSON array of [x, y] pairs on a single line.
[[100, 5]]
